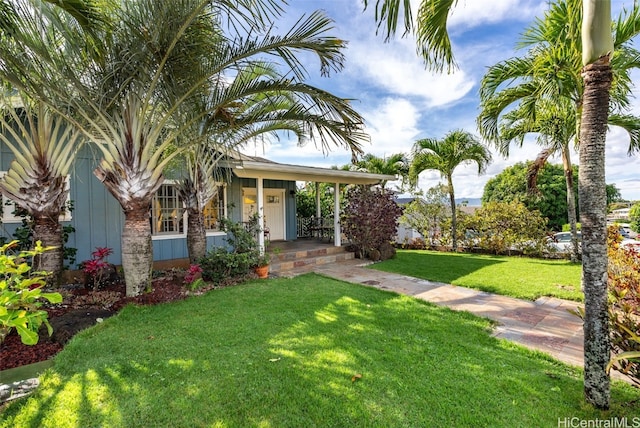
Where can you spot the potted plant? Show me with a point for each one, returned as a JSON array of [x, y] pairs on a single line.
[[262, 265]]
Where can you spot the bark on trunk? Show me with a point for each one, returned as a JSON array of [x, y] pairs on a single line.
[[454, 220], [137, 251], [571, 203], [48, 230], [593, 200], [196, 236]]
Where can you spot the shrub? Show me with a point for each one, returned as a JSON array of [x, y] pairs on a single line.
[[97, 270], [502, 227], [21, 295], [370, 221], [243, 255], [624, 305], [634, 217], [221, 263]]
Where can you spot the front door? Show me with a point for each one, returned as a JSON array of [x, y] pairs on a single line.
[[274, 218]]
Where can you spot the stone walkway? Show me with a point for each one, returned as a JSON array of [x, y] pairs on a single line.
[[547, 325]]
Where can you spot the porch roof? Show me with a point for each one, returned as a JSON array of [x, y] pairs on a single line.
[[247, 168]]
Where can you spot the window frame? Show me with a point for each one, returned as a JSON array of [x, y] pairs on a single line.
[[155, 236]]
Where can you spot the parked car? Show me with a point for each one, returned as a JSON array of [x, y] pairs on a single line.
[[561, 241]]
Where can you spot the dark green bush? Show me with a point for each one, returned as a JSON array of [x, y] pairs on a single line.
[[221, 263], [239, 258]]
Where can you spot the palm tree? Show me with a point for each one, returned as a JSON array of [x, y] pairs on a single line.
[[396, 164], [548, 90], [597, 50], [44, 148], [457, 148], [597, 53], [126, 99], [196, 190]]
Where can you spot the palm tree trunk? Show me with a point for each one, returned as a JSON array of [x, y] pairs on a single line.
[[48, 230], [571, 202], [593, 200], [137, 252], [454, 220], [196, 235]]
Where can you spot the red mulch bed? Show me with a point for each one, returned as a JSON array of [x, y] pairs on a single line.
[[80, 301]]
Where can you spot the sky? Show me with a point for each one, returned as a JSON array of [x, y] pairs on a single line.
[[403, 102]]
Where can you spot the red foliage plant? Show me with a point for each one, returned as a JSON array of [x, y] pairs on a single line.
[[370, 219]]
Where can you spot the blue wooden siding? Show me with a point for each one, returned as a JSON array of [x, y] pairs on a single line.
[[98, 219]]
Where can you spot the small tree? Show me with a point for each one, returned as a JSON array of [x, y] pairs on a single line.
[[427, 214], [500, 227], [370, 221]]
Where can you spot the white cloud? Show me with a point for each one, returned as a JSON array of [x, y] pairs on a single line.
[[473, 13], [392, 126], [395, 69]]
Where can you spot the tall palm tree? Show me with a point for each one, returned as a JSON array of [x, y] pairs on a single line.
[[396, 164], [44, 148], [597, 50], [554, 122], [597, 53], [548, 90], [457, 148]]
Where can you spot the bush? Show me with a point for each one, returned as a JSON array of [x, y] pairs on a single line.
[[221, 263], [21, 295], [624, 305], [243, 255], [370, 221], [502, 227]]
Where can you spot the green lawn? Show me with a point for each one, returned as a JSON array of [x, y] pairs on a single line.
[[289, 353], [520, 277]]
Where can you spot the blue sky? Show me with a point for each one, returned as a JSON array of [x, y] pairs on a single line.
[[402, 102]]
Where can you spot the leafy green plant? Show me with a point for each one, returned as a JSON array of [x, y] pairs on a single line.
[[221, 263], [501, 227], [21, 295], [241, 256]]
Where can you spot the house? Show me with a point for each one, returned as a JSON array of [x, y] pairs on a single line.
[[254, 184]]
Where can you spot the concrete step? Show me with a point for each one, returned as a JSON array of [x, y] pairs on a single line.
[[289, 260]]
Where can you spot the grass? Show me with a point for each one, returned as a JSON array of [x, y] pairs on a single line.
[[289, 353], [520, 277]]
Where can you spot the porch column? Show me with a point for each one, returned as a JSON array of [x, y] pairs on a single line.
[[318, 207], [337, 238], [260, 195]]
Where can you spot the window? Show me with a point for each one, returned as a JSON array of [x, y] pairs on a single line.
[[215, 209], [169, 217], [11, 213], [167, 212]]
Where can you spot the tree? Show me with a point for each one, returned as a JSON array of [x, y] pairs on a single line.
[[551, 198], [396, 164], [613, 194], [306, 200], [457, 148], [597, 50], [44, 146], [427, 214], [128, 97], [548, 91], [501, 227]]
